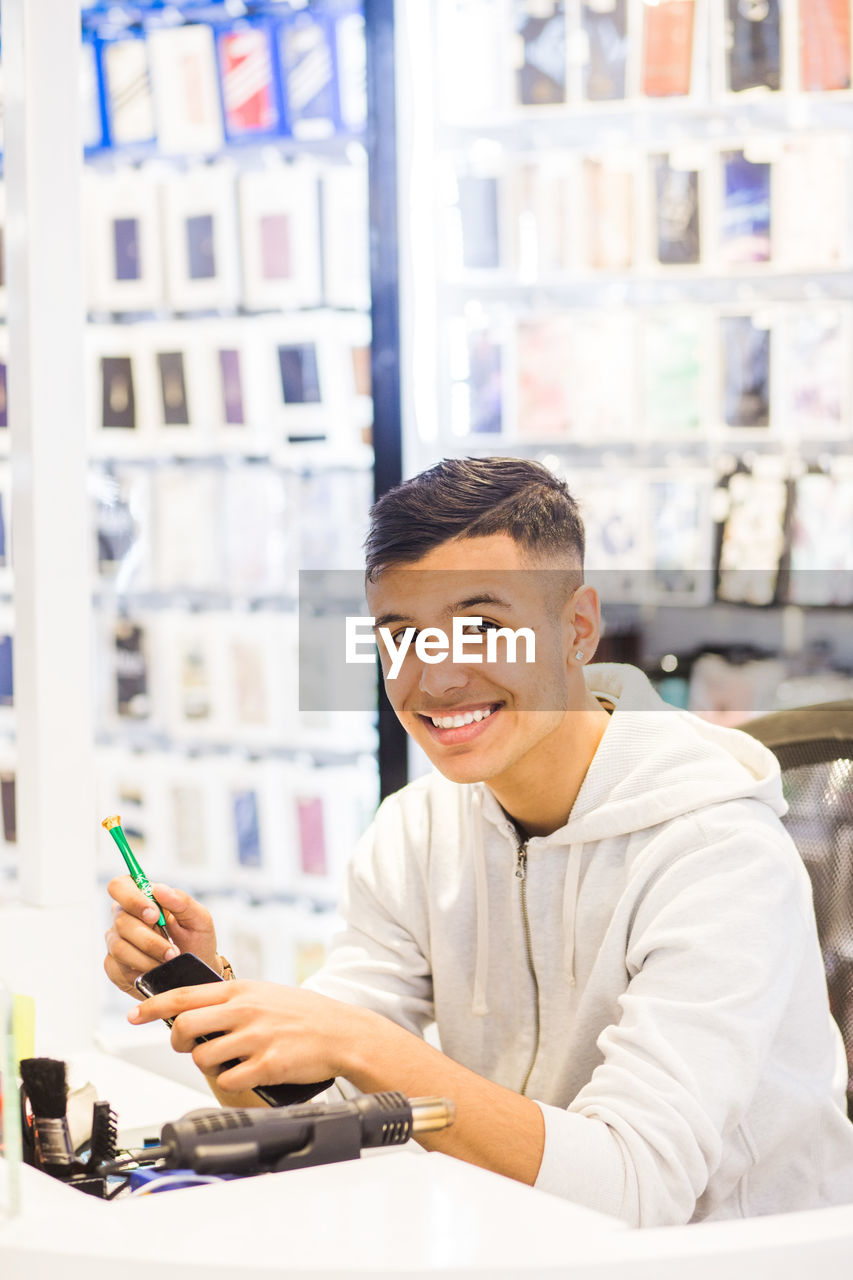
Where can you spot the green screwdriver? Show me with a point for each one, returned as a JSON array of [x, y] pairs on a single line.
[[140, 879]]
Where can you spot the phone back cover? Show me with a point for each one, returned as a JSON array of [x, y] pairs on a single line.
[[825, 45], [753, 48], [667, 48], [541, 32], [605, 25]]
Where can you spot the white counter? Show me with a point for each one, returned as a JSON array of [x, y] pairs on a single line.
[[395, 1212]]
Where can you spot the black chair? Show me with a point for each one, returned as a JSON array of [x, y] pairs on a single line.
[[814, 747]]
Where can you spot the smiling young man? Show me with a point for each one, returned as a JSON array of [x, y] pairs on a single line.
[[592, 897]]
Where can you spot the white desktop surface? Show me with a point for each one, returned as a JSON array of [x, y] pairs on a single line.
[[395, 1212]]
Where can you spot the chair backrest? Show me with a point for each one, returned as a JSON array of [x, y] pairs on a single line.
[[814, 747]]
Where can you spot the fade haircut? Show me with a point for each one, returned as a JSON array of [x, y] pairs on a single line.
[[474, 498]]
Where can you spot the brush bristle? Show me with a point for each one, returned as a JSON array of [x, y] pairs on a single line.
[[44, 1081], [104, 1134]]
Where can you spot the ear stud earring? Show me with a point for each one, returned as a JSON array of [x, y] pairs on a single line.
[[579, 655]]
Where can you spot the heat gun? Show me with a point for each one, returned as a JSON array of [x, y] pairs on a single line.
[[252, 1140]]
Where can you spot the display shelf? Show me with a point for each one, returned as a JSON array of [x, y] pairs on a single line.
[[645, 123]]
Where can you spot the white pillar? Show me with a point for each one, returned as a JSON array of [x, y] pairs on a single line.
[[52, 569]]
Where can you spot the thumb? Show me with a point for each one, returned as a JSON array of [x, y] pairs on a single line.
[[188, 914]]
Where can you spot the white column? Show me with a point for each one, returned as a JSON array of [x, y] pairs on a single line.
[[53, 953]]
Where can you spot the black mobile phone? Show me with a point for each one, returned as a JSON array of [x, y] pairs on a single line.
[[188, 971]]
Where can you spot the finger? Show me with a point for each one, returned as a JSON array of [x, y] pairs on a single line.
[[123, 891], [183, 910], [171, 1003], [137, 946], [213, 1020], [120, 977]]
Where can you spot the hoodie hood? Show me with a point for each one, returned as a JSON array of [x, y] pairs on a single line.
[[655, 763]]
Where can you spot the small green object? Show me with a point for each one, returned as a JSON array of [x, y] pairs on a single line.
[[140, 879]]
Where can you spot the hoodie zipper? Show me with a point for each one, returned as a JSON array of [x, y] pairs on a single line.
[[521, 876]]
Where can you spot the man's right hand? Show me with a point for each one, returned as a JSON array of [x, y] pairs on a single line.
[[133, 942]]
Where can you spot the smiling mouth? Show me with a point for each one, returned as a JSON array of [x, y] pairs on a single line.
[[442, 723]]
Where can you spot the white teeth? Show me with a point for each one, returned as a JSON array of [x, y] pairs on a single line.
[[457, 722]]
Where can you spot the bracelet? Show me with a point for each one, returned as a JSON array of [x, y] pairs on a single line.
[[228, 973]]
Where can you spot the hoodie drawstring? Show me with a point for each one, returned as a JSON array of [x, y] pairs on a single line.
[[570, 904], [479, 1006]]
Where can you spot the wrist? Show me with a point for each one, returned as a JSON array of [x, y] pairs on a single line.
[[363, 1050]]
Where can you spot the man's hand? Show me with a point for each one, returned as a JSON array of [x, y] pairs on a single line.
[[292, 1035], [283, 1034], [133, 943]]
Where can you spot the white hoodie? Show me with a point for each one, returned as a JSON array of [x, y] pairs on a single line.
[[666, 1005]]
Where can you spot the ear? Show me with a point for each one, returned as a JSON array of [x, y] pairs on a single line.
[[584, 624]]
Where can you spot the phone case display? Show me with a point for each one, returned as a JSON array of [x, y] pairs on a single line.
[[127, 83], [609, 183], [676, 212], [674, 372], [127, 673], [350, 50], [745, 218], [605, 30], [124, 258], [121, 391], [545, 220], [122, 524], [667, 48], [615, 510], [575, 377], [202, 263], [476, 237], [745, 352], [187, 551], [131, 783], [257, 508], [825, 46], [479, 364], [312, 364], [346, 259], [250, 93], [821, 569], [753, 45], [193, 679], [333, 507], [186, 89], [753, 537], [540, 44], [815, 366], [279, 217], [811, 181], [680, 532], [307, 59]]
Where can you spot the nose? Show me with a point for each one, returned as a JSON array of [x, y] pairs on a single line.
[[439, 678]]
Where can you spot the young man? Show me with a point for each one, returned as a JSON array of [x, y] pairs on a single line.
[[592, 897]]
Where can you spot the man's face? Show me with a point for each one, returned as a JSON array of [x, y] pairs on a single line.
[[509, 710]]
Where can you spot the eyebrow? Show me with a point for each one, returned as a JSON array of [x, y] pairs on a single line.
[[469, 602]]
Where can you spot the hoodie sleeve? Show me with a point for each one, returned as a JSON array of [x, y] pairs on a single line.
[[714, 947], [380, 961]]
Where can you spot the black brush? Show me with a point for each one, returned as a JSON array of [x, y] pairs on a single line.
[[102, 1147], [45, 1088]]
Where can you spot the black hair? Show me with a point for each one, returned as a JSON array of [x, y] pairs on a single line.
[[474, 498]]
